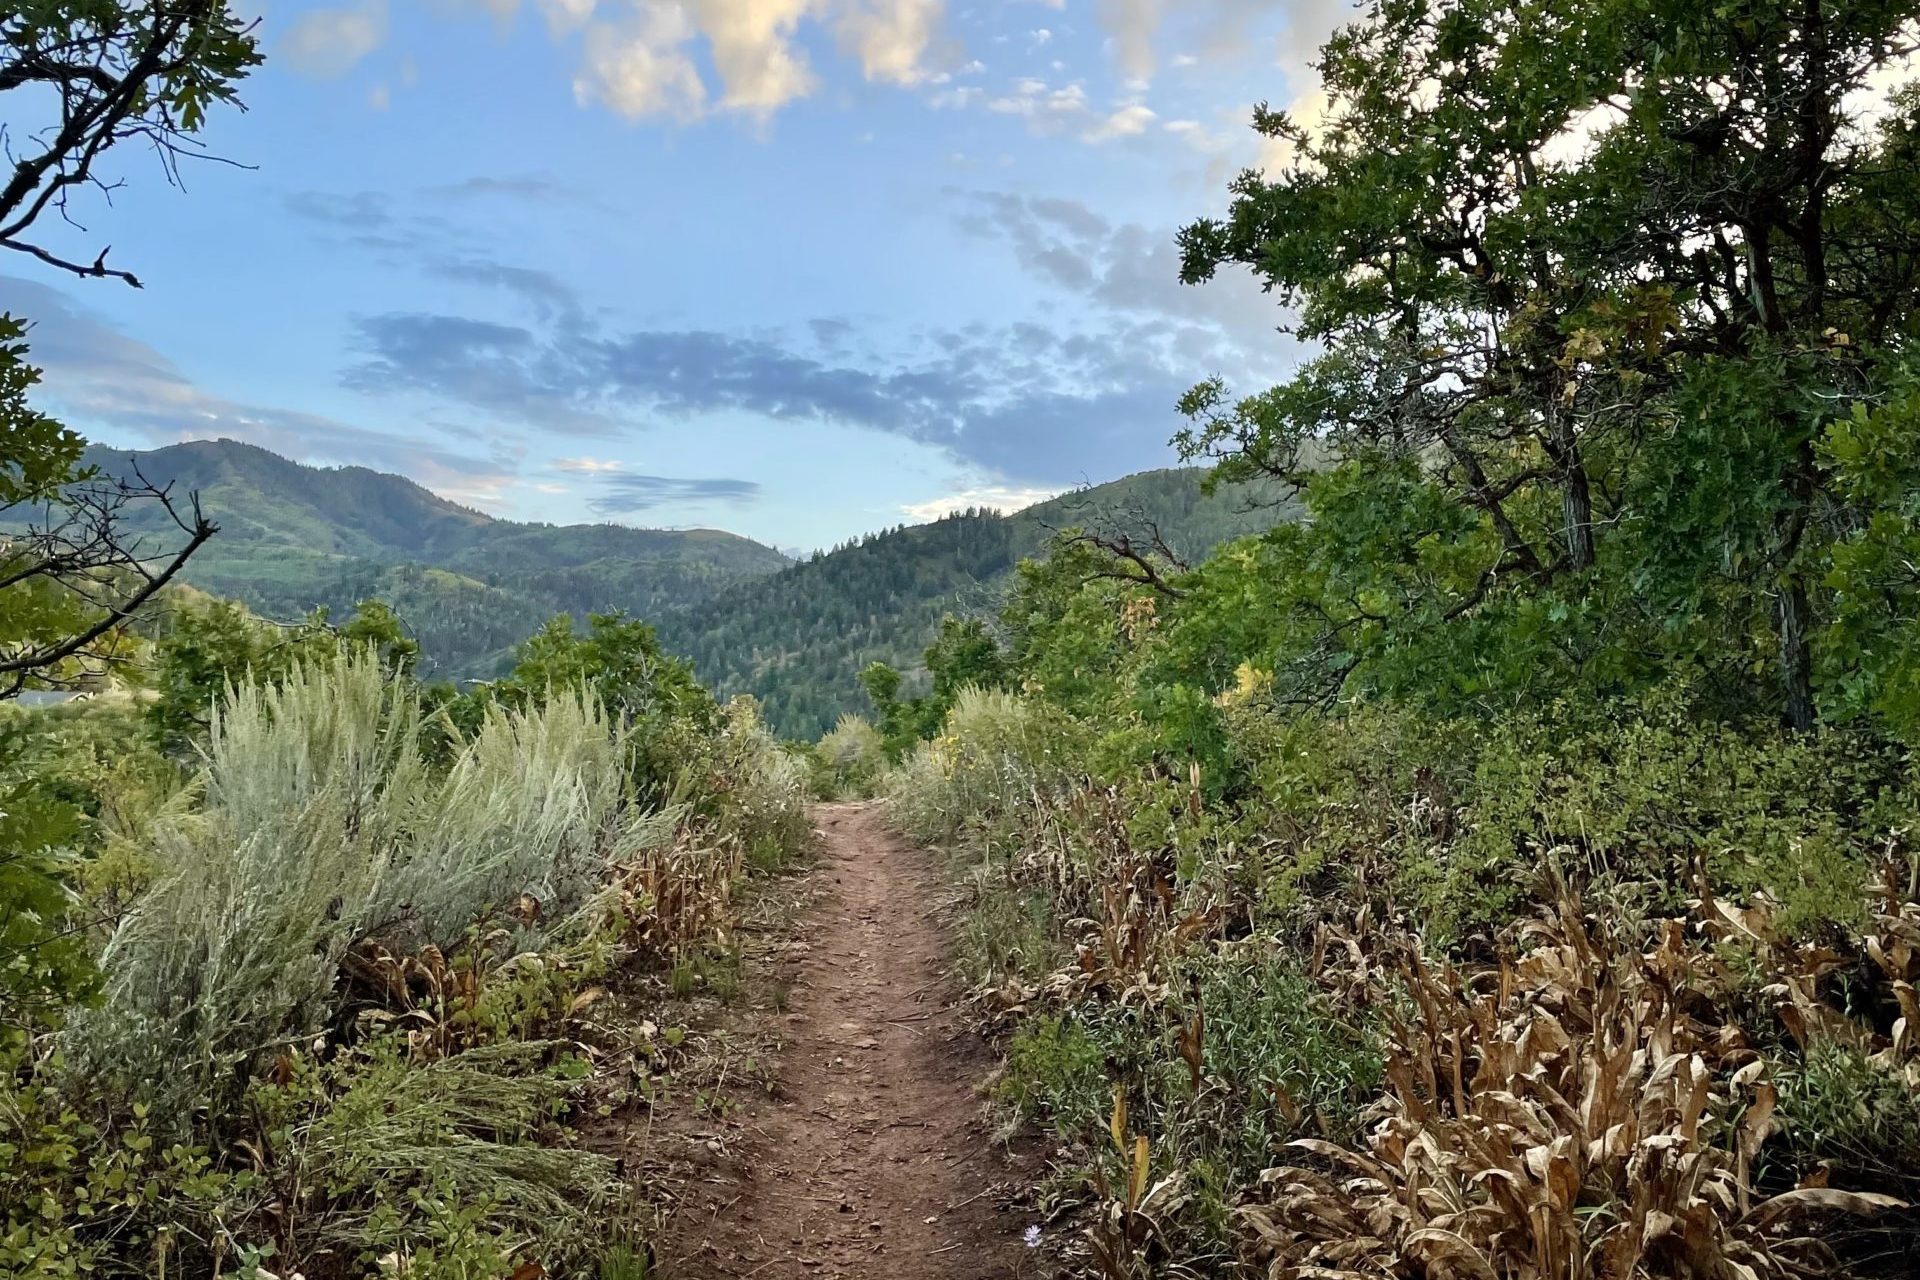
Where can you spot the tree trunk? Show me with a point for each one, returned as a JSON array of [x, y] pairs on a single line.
[[1576, 505], [1796, 654], [1576, 495]]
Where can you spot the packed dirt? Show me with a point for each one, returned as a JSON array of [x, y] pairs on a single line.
[[872, 1159]]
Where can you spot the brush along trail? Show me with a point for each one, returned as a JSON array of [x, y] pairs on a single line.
[[872, 1159]]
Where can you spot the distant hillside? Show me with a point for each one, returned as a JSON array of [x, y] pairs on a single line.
[[796, 640], [470, 586], [795, 635]]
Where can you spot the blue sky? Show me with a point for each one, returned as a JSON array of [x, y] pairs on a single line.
[[796, 268]]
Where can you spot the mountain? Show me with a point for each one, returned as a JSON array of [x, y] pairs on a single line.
[[470, 586], [798, 638], [793, 634]]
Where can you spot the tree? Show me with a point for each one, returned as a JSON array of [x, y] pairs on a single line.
[[963, 654], [94, 74], [97, 74], [69, 577], [618, 658], [45, 961], [210, 647], [1606, 270]]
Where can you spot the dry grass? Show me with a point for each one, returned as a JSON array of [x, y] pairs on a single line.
[[1579, 1112]]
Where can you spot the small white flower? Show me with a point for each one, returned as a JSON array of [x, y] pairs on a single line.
[[1032, 1237]]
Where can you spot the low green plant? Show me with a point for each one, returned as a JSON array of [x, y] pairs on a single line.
[[1055, 1069], [79, 1194], [624, 1262], [849, 759], [1857, 1118], [1007, 929]]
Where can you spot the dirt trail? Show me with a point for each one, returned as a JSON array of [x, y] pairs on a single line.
[[872, 1161]]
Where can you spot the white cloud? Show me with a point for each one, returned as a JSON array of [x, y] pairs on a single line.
[[958, 98], [1065, 109], [1132, 25], [891, 38], [1125, 122], [751, 42], [327, 43], [1038, 101], [1310, 112], [639, 61], [1213, 143], [380, 97], [566, 16], [994, 497], [639, 66], [587, 466]]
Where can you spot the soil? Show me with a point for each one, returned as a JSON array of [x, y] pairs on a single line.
[[873, 1157]]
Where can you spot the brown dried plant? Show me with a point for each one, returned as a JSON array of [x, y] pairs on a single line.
[[1132, 1204], [1570, 1115], [678, 891]]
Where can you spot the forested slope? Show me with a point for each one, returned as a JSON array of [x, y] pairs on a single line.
[[294, 537], [798, 639]]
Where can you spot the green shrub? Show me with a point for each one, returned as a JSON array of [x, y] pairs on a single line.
[[1055, 1069], [1858, 1117], [850, 759]]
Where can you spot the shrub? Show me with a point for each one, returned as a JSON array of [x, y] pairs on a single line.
[[1055, 1069], [997, 753], [755, 789], [851, 758], [321, 826]]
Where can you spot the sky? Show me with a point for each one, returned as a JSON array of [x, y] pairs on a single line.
[[800, 269]]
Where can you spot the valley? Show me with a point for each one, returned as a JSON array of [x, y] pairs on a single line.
[[794, 635]]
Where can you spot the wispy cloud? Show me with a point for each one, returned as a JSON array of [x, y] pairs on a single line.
[[99, 378], [1025, 402], [628, 494], [327, 43], [1051, 109]]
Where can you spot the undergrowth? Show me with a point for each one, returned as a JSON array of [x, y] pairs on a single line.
[[353, 982], [1410, 997]]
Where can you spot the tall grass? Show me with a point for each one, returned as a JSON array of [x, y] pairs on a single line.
[[755, 790], [851, 758], [322, 826], [997, 755]]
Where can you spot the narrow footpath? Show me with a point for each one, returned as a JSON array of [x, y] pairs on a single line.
[[872, 1160]]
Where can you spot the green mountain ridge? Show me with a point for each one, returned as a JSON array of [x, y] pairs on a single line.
[[793, 634], [470, 586], [797, 640]]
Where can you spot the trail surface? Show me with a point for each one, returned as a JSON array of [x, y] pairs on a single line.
[[872, 1160]]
